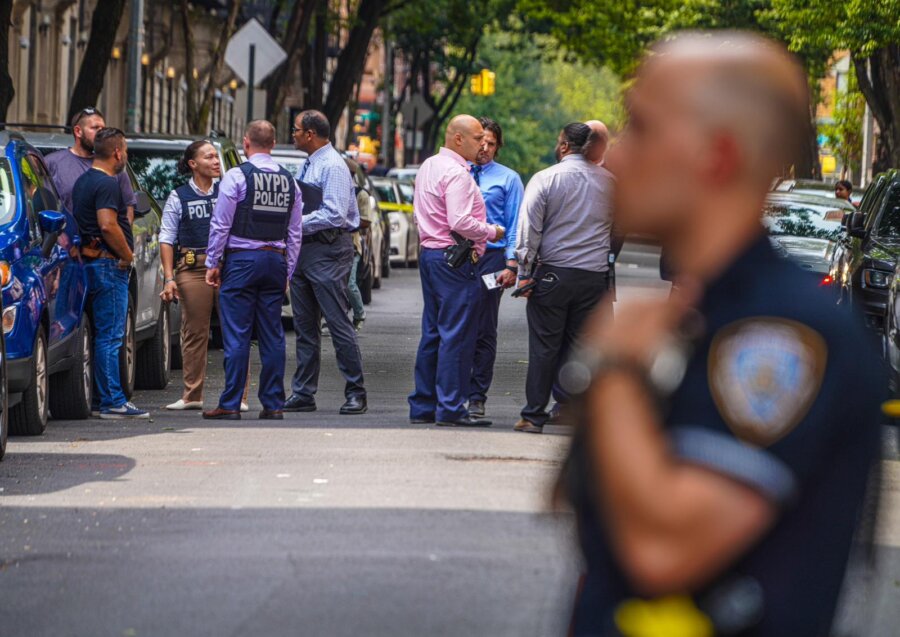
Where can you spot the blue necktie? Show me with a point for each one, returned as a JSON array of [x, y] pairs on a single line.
[[303, 170], [476, 174]]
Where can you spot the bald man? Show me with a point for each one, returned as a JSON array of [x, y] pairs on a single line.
[[451, 217], [598, 142], [719, 492], [255, 233]]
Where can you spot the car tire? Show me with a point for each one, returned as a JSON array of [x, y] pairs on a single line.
[[386, 252], [71, 391], [366, 284], [29, 417], [128, 353], [154, 357], [4, 400]]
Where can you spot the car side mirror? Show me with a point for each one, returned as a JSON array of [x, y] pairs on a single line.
[[142, 203], [856, 225], [52, 221]]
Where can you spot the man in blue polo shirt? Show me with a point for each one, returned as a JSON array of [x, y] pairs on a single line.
[[502, 190]]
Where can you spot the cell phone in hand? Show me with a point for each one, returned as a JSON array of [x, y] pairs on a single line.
[[525, 288]]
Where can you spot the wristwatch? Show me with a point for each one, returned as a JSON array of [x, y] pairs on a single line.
[[167, 281]]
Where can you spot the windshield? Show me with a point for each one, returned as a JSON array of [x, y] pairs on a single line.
[[293, 165], [157, 170], [406, 191], [798, 219], [386, 193], [7, 193]]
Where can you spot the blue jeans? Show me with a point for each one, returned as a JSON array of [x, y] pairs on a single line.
[[108, 292], [356, 302], [447, 348]]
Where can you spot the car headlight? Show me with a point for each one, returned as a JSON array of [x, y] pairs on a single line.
[[877, 278], [9, 318]]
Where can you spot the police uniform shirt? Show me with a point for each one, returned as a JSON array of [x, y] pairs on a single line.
[[781, 394], [197, 214]]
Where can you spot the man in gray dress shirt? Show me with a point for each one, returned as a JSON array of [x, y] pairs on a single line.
[[563, 246]]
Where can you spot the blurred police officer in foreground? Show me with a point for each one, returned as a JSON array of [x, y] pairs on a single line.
[[502, 190], [319, 286], [563, 248], [453, 233], [723, 452], [256, 229]]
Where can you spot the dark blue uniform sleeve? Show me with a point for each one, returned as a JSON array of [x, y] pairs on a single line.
[[785, 402]]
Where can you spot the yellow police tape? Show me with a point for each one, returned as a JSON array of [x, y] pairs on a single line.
[[674, 616], [891, 408]]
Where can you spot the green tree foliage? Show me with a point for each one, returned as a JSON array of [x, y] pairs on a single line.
[[870, 30], [536, 96], [845, 133]]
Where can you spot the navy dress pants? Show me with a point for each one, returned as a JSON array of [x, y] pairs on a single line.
[[250, 296], [447, 347], [493, 261]]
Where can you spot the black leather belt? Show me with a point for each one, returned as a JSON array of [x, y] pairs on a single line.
[[280, 251], [324, 236]]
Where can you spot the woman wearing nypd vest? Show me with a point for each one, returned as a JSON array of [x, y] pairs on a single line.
[[183, 240]]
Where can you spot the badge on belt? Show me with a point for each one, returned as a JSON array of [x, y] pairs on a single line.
[[190, 258]]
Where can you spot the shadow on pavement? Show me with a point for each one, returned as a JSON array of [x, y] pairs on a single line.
[[52, 472]]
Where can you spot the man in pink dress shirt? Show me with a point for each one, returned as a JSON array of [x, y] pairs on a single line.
[[448, 202]]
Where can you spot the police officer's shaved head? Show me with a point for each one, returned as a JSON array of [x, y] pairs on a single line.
[[260, 134], [712, 119], [463, 136]]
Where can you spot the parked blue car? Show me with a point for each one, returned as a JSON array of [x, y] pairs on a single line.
[[46, 327]]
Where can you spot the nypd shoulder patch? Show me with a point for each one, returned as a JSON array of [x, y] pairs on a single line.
[[764, 374]]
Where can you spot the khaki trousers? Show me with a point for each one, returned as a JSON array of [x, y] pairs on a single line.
[[198, 301]]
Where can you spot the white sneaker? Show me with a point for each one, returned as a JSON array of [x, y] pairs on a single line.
[[180, 405], [245, 407]]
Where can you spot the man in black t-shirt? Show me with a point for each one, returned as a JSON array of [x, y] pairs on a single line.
[[107, 246]]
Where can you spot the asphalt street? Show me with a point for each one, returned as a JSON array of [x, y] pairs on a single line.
[[320, 524]]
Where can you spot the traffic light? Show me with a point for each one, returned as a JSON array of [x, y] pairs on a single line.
[[476, 84], [487, 82], [483, 83]]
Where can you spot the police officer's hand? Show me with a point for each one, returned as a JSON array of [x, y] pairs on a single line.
[[213, 277], [506, 279], [170, 292], [641, 329], [500, 233]]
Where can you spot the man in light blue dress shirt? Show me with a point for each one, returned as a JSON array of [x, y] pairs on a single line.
[[502, 190], [319, 285]]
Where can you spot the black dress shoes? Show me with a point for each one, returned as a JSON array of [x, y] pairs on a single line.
[[354, 406], [424, 420], [467, 421], [476, 408], [298, 403]]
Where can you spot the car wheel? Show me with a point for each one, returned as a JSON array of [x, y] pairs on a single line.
[[176, 361], [365, 285], [127, 353], [71, 391], [29, 417], [153, 358], [4, 400]]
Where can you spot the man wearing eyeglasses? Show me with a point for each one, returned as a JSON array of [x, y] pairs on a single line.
[[319, 284], [67, 165]]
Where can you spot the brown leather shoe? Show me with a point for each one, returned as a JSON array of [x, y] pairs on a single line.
[[222, 414], [275, 414], [528, 427]]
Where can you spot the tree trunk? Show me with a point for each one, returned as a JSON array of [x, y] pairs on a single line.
[[316, 56], [199, 106], [104, 25], [352, 58], [879, 80], [7, 90], [294, 42]]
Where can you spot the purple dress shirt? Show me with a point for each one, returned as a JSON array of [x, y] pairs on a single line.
[[232, 191]]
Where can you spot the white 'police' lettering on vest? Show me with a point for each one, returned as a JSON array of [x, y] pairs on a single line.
[[199, 209], [271, 191]]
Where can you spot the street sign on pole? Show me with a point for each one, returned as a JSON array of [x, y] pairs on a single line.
[[416, 109], [253, 55]]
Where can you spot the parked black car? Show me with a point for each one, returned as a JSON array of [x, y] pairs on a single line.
[[866, 257]]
